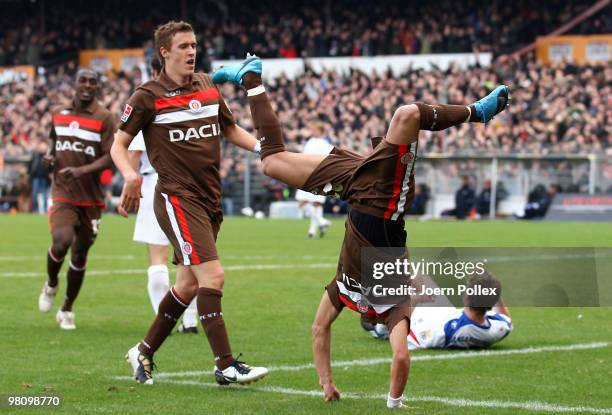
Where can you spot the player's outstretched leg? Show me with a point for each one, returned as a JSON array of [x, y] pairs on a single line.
[[409, 119], [291, 168]]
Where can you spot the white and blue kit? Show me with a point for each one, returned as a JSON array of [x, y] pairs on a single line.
[[450, 328]]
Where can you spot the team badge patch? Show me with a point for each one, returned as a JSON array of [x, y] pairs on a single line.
[[73, 125], [127, 111], [195, 105], [362, 306], [407, 158], [187, 248]]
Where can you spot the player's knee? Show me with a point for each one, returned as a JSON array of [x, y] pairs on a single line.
[[408, 114], [269, 164], [61, 244], [186, 289], [401, 358], [318, 329], [216, 278]]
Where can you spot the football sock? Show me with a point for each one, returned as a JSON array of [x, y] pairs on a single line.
[[170, 310], [266, 122], [54, 264], [440, 117], [75, 277], [190, 318], [158, 284], [394, 402], [211, 318]]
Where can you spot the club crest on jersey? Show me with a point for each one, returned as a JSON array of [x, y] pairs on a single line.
[[187, 248], [407, 158], [195, 105], [127, 111], [73, 125], [362, 306]]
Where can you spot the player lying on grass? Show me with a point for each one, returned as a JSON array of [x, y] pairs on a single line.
[[482, 322], [378, 188]]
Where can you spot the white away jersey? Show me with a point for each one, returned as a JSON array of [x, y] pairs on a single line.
[[450, 328], [138, 144]]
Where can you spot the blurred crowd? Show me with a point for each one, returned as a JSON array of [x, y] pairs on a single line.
[[558, 109], [36, 33]]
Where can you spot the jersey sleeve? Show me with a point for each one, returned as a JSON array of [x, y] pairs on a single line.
[[138, 143], [507, 321], [108, 133], [138, 112], [226, 118]]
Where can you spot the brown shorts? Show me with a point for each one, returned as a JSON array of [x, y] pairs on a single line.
[[381, 184], [389, 318], [344, 291], [85, 219], [188, 226]]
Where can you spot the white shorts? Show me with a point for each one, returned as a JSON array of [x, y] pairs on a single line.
[[302, 196], [147, 229]]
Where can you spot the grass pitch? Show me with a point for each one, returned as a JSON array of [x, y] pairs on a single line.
[[274, 281]]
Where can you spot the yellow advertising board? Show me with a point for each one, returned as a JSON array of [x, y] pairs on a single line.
[[105, 60], [577, 49]]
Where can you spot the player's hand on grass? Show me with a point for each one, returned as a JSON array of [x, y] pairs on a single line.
[[131, 194], [330, 392], [71, 173]]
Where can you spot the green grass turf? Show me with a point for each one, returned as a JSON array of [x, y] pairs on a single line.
[[268, 314]]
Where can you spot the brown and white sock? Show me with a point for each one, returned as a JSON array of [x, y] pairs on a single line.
[[269, 132], [211, 318], [170, 309], [440, 117]]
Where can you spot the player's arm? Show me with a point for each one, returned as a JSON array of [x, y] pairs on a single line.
[[138, 113], [134, 157], [120, 154], [501, 308], [49, 158], [241, 138]]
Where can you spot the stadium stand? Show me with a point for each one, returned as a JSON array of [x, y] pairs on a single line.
[[37, 33]]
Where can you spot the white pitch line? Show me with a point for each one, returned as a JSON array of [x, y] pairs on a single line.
[[102, 272], [460, 402], [417, 358]]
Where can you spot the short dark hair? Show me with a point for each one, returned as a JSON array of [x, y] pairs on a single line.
[[479, 302], [156, 65], [163, 35]]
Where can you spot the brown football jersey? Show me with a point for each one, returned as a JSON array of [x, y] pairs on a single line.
[[182, 126], [81, 136]]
